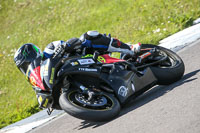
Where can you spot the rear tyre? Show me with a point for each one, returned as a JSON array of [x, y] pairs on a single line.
[[167, 74], [102, 109]]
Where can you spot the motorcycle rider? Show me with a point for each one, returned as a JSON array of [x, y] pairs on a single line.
[[91, 40]]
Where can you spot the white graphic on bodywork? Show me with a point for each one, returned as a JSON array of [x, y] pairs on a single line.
[[133, 87], [123, 91]]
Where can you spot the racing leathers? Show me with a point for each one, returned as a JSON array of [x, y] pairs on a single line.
[[92, 41]]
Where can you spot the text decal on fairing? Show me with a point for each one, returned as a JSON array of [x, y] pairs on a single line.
[[123, 91], [74, 63], [86, 61], [87, 69]]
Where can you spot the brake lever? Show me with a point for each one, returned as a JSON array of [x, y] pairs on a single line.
[[141, 58]]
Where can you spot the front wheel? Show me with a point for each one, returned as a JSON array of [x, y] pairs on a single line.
[[169, 71], [101, 108]]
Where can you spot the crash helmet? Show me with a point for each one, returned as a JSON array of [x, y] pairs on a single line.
[[25, 55]]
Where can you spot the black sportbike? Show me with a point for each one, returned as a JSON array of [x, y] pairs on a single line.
[[94, 86]]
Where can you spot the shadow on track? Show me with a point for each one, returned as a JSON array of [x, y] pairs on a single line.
[[143, 99]]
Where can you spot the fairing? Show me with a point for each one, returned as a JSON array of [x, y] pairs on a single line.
[[33, 75], [106, 59], [124, 82]]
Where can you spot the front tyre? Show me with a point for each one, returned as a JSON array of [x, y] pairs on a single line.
[[167, 74], [103, 108]]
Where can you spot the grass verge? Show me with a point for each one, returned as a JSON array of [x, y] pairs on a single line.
[[43, 21]]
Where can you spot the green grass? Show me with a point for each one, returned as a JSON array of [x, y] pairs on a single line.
[[43, 21]]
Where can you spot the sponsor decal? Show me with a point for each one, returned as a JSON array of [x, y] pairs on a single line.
[[86, 61], [28, 72], [74, 63], [101, 59], [115, 55], [143, 56], [46, 102], [122, 91], [33, 81], [40, 99], [46, 70], [35, 78], [133, 87], [52, 76], [87, 69]]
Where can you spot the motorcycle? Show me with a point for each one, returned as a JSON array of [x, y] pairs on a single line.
[[95, 86]]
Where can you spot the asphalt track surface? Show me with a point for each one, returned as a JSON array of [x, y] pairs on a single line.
[[163, 109]]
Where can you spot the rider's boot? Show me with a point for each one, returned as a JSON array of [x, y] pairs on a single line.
[[118, 46]]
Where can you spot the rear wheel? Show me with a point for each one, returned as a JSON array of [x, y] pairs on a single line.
[[101, 108], [170, 70]]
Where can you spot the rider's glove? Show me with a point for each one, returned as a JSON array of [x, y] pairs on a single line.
[[109, 35], [59, 50], [72, 45], [136, 48]]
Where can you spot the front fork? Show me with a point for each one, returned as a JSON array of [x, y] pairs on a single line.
[[45, 99], [151, 52]]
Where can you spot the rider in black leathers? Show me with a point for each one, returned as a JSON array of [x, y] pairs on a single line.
[[91, 40]]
